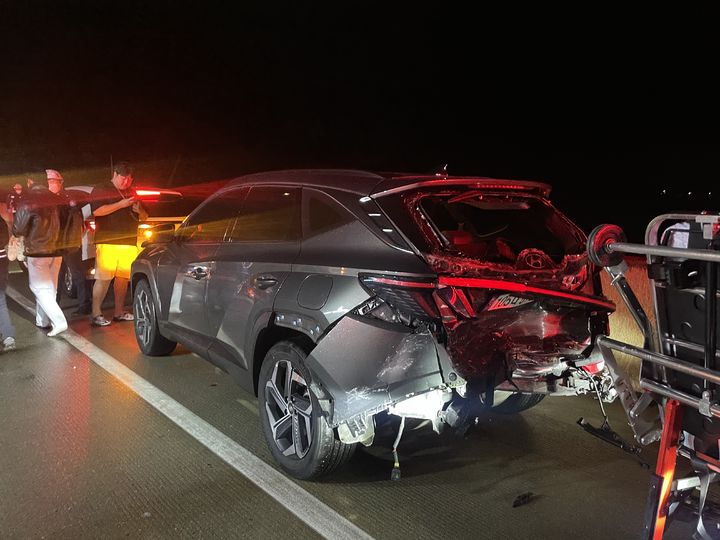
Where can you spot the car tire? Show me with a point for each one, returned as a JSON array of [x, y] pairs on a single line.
[[66, 283], [296, 432], [517, 402], [147, 332]]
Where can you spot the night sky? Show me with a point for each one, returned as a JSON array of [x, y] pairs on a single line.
[[596, 113]]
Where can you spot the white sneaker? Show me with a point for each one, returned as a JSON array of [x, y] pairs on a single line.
[[57, 330], [9, 344]]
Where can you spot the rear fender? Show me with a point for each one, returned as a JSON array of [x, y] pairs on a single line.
[[363, 366]]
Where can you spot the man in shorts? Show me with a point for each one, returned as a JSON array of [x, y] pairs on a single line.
[[117, 212]]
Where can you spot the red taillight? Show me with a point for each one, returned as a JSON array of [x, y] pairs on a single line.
[[513, 286], [411, 297], [456, 299], [449, 319], [156, 194]]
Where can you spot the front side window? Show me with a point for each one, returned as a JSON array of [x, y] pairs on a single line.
[[269, 214], [209, 223]]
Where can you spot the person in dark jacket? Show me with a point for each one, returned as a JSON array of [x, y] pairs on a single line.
[[70, 242], [37, 219]]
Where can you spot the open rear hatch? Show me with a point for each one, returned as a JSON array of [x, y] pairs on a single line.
[[515, 289]]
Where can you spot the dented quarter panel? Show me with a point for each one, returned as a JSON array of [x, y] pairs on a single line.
[[345, 293], [365, 366]]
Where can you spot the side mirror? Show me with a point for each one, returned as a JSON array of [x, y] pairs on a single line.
[[160, 234]]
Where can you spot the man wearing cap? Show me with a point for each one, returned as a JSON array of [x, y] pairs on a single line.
[[117, 212], [37, 219]]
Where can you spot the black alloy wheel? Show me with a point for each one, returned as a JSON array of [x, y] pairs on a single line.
[[297, 433]]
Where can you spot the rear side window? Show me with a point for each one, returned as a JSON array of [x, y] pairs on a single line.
[[325, 215], [269, 214], [210, 222]]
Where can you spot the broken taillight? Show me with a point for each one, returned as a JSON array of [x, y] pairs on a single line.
[[458, 300], [411, 298], [456, 303]]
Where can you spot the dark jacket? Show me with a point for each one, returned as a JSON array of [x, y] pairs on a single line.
[[71, 221], [38, 220]]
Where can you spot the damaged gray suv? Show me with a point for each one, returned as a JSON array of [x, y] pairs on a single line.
[[343, 298]]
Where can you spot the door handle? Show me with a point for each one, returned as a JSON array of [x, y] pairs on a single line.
[[199, 272], [265, 282]]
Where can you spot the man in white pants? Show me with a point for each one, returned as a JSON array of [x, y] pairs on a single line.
[[38, 220]]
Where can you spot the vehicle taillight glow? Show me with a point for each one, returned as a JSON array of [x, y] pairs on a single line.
[[446, 314], [522, 288], [457, 300], [409, 296]]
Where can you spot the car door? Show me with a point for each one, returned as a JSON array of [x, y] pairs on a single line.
[[251, 266], [193, 260]]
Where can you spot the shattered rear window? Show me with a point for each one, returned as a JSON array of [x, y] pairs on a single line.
[[496, 228]]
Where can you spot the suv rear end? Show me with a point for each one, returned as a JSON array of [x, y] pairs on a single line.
[[504, 305], [515, 291]]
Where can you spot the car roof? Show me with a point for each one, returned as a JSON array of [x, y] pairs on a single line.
[[366, 183]]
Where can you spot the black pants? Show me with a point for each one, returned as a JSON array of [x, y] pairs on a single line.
[[74, 263]]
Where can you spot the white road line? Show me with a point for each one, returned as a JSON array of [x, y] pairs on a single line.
[[314, 513]]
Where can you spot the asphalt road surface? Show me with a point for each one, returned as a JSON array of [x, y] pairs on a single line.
[[100, 441]]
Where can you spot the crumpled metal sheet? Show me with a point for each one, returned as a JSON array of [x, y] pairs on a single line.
[[365, 366], [539, 332]]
